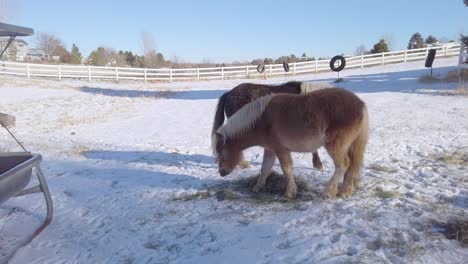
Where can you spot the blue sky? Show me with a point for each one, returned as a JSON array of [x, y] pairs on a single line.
[[241, 30]]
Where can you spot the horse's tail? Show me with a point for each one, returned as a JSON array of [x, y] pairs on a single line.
[[358, 147], [219, 115]]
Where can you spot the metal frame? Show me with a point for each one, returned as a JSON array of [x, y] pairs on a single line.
[[19, 170]]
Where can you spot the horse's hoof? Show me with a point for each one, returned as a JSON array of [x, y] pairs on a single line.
[[345, 193], [291, 195], [328, 195], [291, 192], [257, 188]]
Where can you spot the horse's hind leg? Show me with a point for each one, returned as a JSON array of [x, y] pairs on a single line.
[[286, 164], [243, 163], [316, 161], [356, 155], [339, 154], [269, 159]]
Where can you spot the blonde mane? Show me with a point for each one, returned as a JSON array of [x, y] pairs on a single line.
[[242, 120], [308, 87]]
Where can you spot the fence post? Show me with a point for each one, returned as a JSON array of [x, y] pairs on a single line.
[[446, 51], [144, 74], [198, 73], [427, 51], [222, 72], [383, 58], [170, 74], [362, 61], [294, 69], [89, 73], [246, 71], [116, 73], [406, 53], [59, 70], [27, 71], [271, 70], [316, 65]]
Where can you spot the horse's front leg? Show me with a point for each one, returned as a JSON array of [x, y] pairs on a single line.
[[286, 164], [316, 161], [269, 159]]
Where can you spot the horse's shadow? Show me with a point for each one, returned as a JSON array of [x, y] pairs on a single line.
[[398, 81], [183, 95], [153, 158]]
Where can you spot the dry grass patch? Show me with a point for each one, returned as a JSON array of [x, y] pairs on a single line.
[[241, 190], [382, 194], [452, 158], [381, 168]]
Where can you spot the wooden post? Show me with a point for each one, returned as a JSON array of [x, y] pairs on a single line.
[[144, 75], [246, 71], [222, 72], [362, 61], [383, 58], [59, 70], [316, 65], [294, 69], [446, 50], [170, 74], [406, 53], [89, 73], [198, 73], [27, 71], [271, 70]]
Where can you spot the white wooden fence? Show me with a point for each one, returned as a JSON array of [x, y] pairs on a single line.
[[90, 73]]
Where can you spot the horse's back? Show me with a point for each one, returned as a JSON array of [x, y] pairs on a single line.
[[320, 110], [247, 92]]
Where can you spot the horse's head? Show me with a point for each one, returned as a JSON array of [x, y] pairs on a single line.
[[227, 154]]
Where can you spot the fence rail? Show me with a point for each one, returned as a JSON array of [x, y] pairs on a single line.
[[30, 70]]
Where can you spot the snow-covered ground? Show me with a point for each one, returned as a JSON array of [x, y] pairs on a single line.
[[133, 181]]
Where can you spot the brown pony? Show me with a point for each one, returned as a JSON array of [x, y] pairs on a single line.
[[283, 123], [230, 102]]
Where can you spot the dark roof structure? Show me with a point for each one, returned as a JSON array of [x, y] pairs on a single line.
[[12, 31], [7, 30]]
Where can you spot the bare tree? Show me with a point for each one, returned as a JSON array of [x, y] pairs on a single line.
[[148, 46], [360, 50], [48, 44]]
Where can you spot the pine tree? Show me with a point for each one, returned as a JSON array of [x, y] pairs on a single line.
[[416, 41], [75, 55], [431, 40], [380, 47]]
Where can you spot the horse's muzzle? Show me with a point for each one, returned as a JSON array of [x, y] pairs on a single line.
[[223, 172]]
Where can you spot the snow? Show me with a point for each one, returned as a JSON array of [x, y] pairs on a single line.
[[129, 166]]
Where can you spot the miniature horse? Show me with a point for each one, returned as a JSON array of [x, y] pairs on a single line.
[[230, 102], [284, 123]]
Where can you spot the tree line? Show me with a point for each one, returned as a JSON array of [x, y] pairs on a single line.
[[415, 42]]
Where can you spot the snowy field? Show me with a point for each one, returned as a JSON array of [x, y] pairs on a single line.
[[132, 178]]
